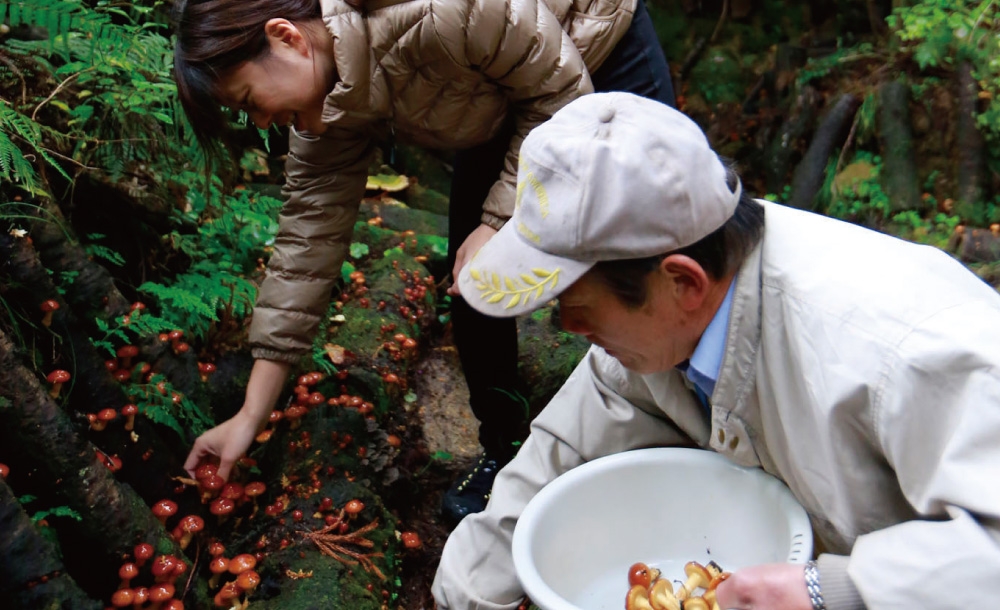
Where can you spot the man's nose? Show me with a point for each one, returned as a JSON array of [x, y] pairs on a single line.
[[262, 121], [572, 323]]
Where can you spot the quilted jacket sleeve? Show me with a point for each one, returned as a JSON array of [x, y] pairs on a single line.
[[325, 181], [599, 411], [520, 45]]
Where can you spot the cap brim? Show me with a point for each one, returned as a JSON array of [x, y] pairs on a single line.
[[509, 276]]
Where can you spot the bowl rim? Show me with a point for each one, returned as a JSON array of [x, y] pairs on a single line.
[[544, 596]]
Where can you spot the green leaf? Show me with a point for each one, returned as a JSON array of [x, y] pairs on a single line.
[[359, 250]]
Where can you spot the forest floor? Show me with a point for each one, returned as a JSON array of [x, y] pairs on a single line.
[[448, 429]]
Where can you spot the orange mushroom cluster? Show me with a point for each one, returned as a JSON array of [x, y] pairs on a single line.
[[648, 590], [159, 595], [307, 397], [232, 593]]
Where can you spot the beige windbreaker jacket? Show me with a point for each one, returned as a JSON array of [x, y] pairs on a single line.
[[862, 370], [440, 73]]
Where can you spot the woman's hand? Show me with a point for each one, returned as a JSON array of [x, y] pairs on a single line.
[[228, 442], [476, 240], [775, 586]]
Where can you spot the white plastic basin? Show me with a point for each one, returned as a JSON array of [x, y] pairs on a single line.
[[578, 536]]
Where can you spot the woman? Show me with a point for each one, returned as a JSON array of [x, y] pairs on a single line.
[[469, 75]]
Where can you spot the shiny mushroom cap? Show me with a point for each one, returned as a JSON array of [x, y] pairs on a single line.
[[241, 563], [58, 376], [354, 507]]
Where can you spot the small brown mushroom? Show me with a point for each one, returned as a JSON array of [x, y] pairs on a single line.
[[218, 566], [126, 353], [411, 540], [353, 507], [661, 596], [189, 526], [142, 553], [57, 378], [163, 510], [641, 574], [48, 307], [697, 576], [637, 599], [129, 412], [695, 603], [205, 369], [101, 419]]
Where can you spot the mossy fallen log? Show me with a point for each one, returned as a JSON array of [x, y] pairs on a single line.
[[896, 134], [811, 171]]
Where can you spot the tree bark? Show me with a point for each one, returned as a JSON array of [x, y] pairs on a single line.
[[971, 145], [93, 292], [40, 439], [31, 573], [900, 176], [810, 172], [784, 146], [91, 387]]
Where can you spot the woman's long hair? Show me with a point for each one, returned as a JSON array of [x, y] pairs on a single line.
[[215, 36]]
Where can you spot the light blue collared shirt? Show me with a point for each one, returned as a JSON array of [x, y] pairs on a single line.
[[702, 369]]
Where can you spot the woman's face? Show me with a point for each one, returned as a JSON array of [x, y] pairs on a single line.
[[286, 86]]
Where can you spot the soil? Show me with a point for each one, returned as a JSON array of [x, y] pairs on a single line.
[[444, 436]]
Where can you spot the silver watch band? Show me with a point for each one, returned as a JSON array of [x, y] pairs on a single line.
[[812, 586]]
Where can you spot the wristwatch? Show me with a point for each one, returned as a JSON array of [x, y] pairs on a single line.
[[812, 586]]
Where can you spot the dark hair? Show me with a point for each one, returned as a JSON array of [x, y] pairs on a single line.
[[214, 36], [719, 254]]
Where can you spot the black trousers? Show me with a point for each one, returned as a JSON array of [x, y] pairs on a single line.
[[487, 347]]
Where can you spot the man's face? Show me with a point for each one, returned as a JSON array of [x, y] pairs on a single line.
[[652, 338]]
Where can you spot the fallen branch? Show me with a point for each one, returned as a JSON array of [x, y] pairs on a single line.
[[333, 545]]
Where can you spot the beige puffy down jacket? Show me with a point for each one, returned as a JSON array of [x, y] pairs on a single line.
[[439, 73]]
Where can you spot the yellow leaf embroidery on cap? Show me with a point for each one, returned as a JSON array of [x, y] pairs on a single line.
[[543, 197], [474, 274], [523, 166], [526, 176], [519, 290], [528, 233]]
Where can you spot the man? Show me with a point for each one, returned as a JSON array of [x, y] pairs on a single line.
[[862, 370]]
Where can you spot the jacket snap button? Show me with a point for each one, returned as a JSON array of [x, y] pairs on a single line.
[[732, 444], [722, 436]]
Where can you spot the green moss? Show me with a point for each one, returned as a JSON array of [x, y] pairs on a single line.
[[547, 355]]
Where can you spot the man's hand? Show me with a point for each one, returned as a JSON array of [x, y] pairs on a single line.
[[228, 442], [775, 586], [476, 240]]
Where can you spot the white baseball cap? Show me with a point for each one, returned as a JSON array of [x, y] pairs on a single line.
[[610, 176]]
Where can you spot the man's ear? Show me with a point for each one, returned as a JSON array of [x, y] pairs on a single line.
[[690, 283], [282, 32]]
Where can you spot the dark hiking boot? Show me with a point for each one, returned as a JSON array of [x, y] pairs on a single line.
[[471, 491]]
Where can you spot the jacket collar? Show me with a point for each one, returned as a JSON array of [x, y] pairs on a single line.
[[735, 407]]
